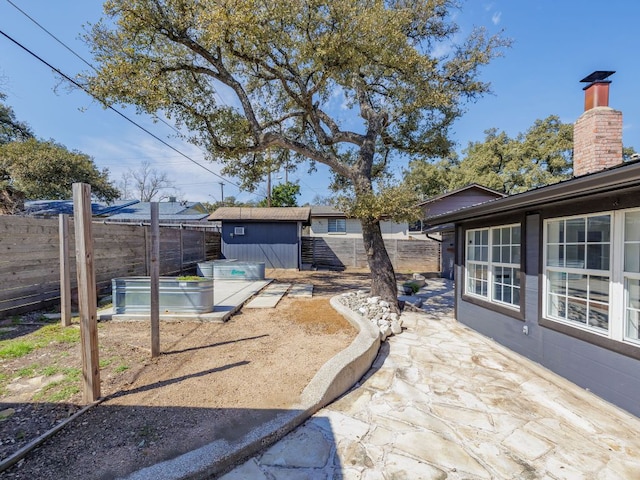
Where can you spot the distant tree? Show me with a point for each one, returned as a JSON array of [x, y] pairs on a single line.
[[540, 156], [322, 200], [47, 170], [229, 201], [283, 195], [146, 184], [10, 128]]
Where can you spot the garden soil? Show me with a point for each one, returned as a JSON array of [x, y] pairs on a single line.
[[211, 381]]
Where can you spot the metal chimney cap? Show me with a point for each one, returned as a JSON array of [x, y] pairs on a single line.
[[598, 76]]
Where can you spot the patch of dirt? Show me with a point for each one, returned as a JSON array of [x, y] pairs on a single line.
[[212, 381]]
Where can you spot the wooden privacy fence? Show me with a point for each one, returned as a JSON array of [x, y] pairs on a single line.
[[30, 257], [337, 252]]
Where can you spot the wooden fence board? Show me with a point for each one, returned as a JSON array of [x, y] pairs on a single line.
[[340, 252], [30, 257]]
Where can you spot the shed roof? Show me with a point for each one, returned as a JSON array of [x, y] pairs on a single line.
[[262, 214]]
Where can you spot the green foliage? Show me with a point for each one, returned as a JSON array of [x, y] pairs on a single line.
[[10, 128], [540, 156], [281, 65], [283, 195], [15, 349], [395, 202], [63, 389], [229, 201], [284, 62], [47, 170], [19, 347]]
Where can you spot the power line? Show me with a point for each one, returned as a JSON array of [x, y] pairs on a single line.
[[81, 87], [77, 55]]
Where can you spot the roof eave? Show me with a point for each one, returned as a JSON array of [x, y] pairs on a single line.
[[601, 182]]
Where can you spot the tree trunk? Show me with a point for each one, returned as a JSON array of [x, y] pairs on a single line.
[[383, 277]]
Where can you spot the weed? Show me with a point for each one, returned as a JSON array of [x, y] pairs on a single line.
[[50, 371], [64, 393], [105, 362], [190, 278], [27, 371], [15, 349], [121, 368], [73, 373], [62, 389]]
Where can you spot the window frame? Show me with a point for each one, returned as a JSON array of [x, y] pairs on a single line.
[[470, 262], [337, 230], [615, 337]]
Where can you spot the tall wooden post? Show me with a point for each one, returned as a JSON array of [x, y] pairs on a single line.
[[155, 280], [87, 298], [65, 270]]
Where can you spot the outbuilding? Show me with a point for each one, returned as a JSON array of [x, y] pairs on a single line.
[[269, 235]]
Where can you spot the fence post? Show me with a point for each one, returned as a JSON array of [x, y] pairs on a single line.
[[181, 251], [87, 298], [65, 270], [155, 280]]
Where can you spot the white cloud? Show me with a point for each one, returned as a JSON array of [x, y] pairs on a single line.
[[495, 18]]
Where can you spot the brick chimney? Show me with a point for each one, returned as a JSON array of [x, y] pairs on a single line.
[[597, 134]]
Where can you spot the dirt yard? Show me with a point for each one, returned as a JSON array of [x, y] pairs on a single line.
[[210, 381]]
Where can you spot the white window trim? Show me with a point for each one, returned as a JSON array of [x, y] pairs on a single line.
[[617, 292], [343, 232], [490, 265]]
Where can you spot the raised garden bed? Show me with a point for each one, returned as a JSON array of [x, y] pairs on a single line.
[[132, 295]]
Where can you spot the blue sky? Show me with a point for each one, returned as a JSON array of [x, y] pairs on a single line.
[[555, 44]]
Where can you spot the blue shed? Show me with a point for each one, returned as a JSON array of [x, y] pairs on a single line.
[[269, 235]]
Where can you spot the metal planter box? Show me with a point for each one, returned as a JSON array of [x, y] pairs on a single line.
[[132, 295], [233, 270]]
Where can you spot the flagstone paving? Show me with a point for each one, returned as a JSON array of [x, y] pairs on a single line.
[[443, 402]]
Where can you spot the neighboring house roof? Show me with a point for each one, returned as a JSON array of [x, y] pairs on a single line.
[[48, 208], [325, 211], [473, 186], [262, 214], [626, 175], [121, 210], [175, 211]]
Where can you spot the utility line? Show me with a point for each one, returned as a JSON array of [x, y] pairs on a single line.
[[77, 55], [148, 132]]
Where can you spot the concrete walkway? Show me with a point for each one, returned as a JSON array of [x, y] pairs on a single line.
[[443, 402]]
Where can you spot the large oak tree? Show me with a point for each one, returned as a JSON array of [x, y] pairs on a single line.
[[249, 76]]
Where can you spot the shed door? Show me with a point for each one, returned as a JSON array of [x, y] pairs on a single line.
[[275, 244]]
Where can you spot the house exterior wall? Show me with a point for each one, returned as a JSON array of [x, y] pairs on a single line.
[[592, 363], [275, 244], [319, 227]]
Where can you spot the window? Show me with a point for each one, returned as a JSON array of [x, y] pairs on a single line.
[[415, 226], [578, 270], [337, 225], [592, 273], [493, 264], [631, 273], [238, 230]]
